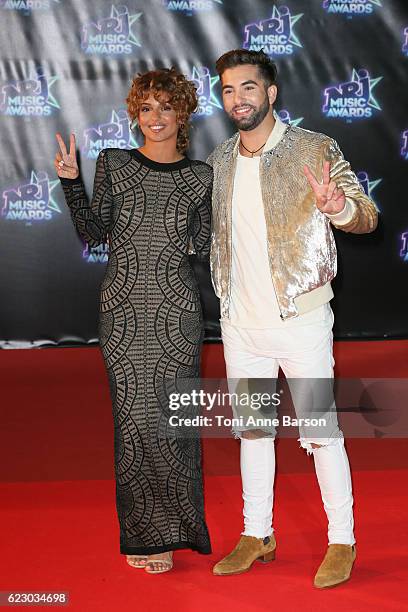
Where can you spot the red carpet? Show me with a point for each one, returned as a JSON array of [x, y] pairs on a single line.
[[63, 536], [58, 523]]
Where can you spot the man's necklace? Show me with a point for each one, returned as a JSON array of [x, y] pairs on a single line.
[[252, 152]]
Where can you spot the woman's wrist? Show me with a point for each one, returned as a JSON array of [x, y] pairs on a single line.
[[68, 181]]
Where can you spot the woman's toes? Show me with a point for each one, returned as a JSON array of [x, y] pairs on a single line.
[[136, 561]]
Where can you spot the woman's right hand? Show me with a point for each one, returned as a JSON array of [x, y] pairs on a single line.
[[65, 162]]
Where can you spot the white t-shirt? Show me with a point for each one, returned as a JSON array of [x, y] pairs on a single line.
[[253, 298]]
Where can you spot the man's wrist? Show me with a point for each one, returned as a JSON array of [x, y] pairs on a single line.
[[344, 216]]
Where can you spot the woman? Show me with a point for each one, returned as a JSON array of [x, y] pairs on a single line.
[[150, 203]]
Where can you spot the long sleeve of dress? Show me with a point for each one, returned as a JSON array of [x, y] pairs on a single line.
[[91, 219], [201, 236]]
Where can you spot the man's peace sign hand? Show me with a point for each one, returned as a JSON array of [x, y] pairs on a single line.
[[65, 162], [329, 198]]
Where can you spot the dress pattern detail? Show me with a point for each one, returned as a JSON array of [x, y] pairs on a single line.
[[151, 332]]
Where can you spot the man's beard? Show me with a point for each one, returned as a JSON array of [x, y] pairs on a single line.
[[246, 124]]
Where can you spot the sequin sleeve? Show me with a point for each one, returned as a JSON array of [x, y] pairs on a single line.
[[364, 218]]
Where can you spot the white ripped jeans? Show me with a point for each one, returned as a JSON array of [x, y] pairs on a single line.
[[305, 351]]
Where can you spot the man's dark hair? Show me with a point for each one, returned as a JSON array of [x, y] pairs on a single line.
[[239, 57]]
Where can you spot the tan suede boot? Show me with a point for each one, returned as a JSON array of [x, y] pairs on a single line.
[[244, 554], [336, 566]]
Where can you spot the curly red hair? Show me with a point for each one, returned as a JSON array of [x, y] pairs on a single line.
[[166, 84]]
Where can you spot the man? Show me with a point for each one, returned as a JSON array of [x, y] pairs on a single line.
[[277, 190]]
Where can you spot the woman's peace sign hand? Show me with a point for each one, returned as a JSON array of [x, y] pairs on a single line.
[[65, 162], [330, 199]]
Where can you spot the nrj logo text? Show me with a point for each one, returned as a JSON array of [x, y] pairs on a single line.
[[351, 7], [368, 185], [275, 35], [31, 201], [29, 97], [352, 99], [115, 133], [191, 6], [27, 6], [111, 35], [98, 254], [208, 102]]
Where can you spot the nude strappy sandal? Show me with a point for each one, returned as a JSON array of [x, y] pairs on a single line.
[[166, 565], [132, 558]]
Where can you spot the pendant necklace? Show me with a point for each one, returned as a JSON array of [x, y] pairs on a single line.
[[252, 152]]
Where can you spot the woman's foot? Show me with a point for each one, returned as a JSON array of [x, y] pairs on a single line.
[[157, 564], [138, 561]]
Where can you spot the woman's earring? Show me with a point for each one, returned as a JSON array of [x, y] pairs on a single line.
[[134, 124]]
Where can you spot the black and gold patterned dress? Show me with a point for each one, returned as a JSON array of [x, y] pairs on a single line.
[[150, 331]]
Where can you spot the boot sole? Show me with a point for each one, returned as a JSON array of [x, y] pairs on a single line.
[[260, 559], [331, 586]]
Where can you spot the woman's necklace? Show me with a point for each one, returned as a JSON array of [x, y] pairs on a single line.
[[252, 152]]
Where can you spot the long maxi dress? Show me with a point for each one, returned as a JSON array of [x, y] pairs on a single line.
[[151, 332]]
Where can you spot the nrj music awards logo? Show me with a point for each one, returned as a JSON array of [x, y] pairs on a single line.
[[98, 254], [351, 7], [208, 102], [404, 147], [115, 133], [275, 35], [404, 236], [285, 117], [353, 99], [27, 5], [111, 35], [29, 97], [191, 6], [404, 246], [31, 201], [368, 185], [405, 43]]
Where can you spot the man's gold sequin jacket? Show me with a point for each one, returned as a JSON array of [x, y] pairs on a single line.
[[301, 248]]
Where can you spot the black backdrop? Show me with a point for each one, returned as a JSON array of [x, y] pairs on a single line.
[[68, 65]]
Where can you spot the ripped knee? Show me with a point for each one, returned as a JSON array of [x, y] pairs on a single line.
[[312, 446]]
